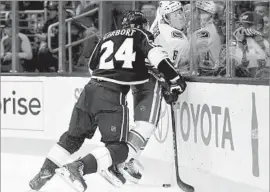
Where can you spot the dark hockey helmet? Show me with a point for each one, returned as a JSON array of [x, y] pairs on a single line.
[[135, 19], [251, 18]]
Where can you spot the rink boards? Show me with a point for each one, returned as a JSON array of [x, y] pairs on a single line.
[[222, 132]]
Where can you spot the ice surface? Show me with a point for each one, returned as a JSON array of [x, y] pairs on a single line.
[[17, 170]]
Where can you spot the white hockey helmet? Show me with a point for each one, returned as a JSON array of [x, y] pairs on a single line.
[[208, 6], [166, 7], [172, 13]]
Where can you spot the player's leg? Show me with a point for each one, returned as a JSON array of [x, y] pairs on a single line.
[[147, 103], [112, 118], [114, 128], [81, 126]]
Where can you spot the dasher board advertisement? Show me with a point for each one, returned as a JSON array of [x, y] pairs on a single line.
[[22, 105], [223, 130]]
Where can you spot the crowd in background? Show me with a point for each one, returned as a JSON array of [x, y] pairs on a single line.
[[33, 27], [248, 36]]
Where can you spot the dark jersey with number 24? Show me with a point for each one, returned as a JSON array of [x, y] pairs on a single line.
[[120, 57]]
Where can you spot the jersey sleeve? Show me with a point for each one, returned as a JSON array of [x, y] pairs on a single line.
[[94, 59], [157, 56]]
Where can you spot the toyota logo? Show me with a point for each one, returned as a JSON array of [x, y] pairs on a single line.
[[163, 125]]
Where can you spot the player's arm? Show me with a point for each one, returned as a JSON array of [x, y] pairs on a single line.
[[159, 58], [94, 59]]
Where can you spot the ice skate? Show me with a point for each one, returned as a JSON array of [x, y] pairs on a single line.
[[40, 179], [113, 176], [73, 174], [132, 170]]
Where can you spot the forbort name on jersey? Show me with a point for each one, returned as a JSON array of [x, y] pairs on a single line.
[[127, 32]]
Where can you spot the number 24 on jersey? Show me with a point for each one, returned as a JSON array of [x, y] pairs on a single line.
[[124, 53]]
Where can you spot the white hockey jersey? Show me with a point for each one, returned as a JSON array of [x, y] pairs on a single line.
[[208, 46], [173, 41]]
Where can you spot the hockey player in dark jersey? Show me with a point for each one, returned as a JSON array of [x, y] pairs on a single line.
[[117, 63]]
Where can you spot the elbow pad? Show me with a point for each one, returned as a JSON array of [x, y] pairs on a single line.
[[159, 58], [166, 67]]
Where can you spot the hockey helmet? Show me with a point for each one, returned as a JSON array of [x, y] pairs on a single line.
[[172, 12], [250, 17], [208, 6], [135, 19], [166, 7]]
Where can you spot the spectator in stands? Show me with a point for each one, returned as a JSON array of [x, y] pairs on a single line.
[[262, 8], [81, 5], [252, 50], [266, 28], [220, 20], [5, 5], [150, 11], [24, 50], [47, 61], [89, 26], [2, 6], [242, 6]]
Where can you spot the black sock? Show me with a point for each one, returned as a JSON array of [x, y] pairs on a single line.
[[50, 165], [90, 164]]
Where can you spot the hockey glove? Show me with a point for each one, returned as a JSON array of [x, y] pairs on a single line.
[[178, 84], [170, 96], [172, 90]]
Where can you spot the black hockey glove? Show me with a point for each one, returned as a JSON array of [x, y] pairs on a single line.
[[170, 96], [178, 84], [171, 91]]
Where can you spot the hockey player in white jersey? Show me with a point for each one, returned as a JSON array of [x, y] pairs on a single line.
[[169, 30], [207, 39]]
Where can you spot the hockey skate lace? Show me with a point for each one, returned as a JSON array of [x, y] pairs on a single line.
[[80, 169]]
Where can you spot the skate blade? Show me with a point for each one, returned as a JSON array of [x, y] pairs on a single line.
[[115, 182], [64, 174], [130, 178]]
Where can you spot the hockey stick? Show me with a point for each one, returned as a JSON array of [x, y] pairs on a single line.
[[184, 186]]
